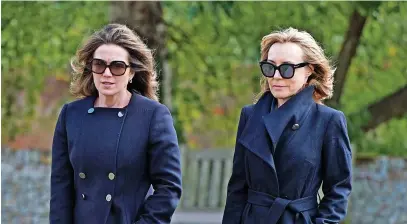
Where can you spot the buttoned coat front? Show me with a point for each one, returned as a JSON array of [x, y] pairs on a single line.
[[282, 156], [104, 161]]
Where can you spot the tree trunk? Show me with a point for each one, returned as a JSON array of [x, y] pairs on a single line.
[[392, 106], [146, 18], [348, 51]]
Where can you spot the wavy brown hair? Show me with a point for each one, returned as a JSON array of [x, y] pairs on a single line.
[[322, 75], [144, 80]]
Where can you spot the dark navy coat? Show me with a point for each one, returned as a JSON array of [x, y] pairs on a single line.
[[282, 156], [104, 161]]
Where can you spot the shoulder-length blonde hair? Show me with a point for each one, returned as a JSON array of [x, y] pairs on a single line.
[[322, 75], [144, 80]]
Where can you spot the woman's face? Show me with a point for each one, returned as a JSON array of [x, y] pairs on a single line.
[[112, 80], [290, 53]]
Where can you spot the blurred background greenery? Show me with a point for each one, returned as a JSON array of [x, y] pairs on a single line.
[[207, 54]]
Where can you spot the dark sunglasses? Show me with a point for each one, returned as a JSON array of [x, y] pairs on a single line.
[[117, 68], [286, 69]]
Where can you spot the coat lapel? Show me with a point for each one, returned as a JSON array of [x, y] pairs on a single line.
[[291, 114], [264, 128], [254, 136]]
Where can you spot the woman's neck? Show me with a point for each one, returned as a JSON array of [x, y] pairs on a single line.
[[280, 102], [118, 100]]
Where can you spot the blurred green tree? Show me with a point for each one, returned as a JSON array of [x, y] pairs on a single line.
[[38, 40], [207, 55], [214, 52]]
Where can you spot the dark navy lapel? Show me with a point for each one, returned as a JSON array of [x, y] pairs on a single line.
[[291, 112], [254, 136], [265, 125]]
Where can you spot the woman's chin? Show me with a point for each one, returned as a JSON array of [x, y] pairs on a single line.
[[280, 94], [107, 92]]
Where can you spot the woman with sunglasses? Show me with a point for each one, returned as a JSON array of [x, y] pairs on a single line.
[[113, 144], [288, 142]]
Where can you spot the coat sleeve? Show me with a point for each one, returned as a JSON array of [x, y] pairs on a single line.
[[165, 169], [237, 187], [337, 171], [62, 183]]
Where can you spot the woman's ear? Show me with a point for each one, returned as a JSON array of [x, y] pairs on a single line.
[[311, 68], [131, 79], [310, 71]]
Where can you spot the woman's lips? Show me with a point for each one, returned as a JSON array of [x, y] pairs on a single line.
[[107, 83]]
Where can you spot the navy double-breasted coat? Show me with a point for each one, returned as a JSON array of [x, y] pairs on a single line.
[[282, 156], [104, 161]]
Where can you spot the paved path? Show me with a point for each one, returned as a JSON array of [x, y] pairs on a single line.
[[181, 217]]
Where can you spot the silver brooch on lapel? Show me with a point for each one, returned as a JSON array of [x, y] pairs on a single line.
[[295, 127]]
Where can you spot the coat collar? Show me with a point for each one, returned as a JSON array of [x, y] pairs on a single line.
[[133, 103], [264, 128]]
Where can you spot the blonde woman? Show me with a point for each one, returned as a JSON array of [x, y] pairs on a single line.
[[288, 142], [116, 141]]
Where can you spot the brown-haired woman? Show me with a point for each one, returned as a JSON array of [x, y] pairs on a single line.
[[288, 142], [116, 141]]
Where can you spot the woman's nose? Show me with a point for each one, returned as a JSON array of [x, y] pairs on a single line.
[[275, 74], [107, 72]]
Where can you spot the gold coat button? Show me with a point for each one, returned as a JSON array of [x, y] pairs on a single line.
[[108, 197], [111, 176], [295, 127], [82, 175]]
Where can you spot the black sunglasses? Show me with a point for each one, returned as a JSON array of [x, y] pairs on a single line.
[[286, 69], [117, 68]]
